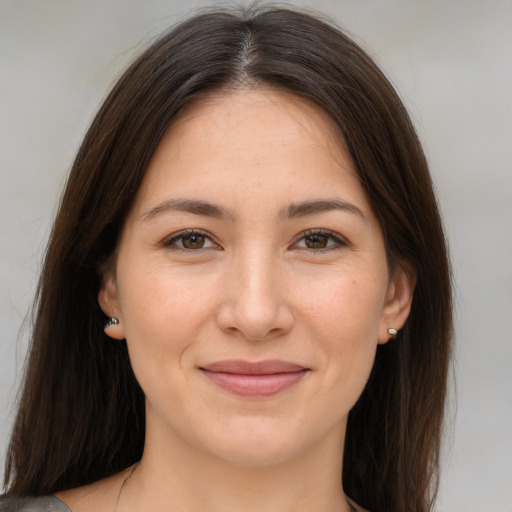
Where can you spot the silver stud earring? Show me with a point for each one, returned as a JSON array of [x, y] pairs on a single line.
[[392, 332], [112, 321]]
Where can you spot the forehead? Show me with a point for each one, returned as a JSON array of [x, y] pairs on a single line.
[[239, 109], [248, 141]]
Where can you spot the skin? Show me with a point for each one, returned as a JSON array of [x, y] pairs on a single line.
[[254, 284]]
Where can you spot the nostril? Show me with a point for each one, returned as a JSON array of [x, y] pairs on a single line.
[[255, 323]]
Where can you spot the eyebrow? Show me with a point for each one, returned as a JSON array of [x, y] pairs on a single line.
[[293, 210], [305, 208], [193, 206]]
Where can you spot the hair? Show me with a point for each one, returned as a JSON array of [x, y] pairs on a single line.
[[81, 413]]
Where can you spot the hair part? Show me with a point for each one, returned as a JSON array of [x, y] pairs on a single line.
[[81, 415]]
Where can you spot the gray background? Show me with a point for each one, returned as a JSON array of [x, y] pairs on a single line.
[[451, 62]]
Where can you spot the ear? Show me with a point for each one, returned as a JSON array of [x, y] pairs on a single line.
[[109, 303], [398, 302]]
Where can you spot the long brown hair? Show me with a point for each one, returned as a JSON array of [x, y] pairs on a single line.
[[81, 412]]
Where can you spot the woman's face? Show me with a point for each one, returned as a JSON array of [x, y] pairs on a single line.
[[251, 281]]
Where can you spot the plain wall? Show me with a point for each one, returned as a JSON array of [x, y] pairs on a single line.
[[451, 61]]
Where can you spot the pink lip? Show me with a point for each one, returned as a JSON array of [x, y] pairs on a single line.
[[264, 378]]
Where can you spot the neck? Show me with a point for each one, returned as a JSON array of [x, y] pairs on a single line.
[[175, 476]]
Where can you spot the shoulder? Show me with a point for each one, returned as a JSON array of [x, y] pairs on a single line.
[[32, 504]]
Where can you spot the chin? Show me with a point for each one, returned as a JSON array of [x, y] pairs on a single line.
[[246, 453], [256, 444]]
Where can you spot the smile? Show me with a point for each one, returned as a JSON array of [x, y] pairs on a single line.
[[262, 379]]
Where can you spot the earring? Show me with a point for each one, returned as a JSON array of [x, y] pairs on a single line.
[[111, 322], [392, 332]]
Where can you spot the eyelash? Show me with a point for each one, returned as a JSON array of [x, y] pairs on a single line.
[[336, 240], [170, 243]]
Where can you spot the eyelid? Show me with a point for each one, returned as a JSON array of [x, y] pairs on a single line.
[[340, 241], [169, 241]]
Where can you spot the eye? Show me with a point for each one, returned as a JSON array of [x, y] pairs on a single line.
[[190, 240], [320, 240]]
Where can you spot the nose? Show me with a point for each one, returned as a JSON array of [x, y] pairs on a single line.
[[254, 303]]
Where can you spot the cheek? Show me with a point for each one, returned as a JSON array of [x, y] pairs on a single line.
[[163, 312], [346, 307], [156, 297], [343, 320]]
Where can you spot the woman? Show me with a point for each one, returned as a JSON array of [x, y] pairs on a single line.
[[251, 219]]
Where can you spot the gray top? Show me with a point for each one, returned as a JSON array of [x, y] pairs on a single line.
[[32, 504]]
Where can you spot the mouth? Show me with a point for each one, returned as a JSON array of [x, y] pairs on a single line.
[[259, 379]]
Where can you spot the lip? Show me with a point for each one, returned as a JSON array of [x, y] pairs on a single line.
[[254, 379]]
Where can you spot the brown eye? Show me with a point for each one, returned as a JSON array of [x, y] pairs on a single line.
[[193, 241], [190, 241], [316, 241], [320, 241]]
